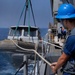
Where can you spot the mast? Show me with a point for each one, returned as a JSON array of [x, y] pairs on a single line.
[[51, 5], [69, 1], [55, 6]]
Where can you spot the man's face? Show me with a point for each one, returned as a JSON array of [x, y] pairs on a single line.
[[64, 23]]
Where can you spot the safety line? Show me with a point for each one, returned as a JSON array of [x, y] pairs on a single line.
[[50, 43]]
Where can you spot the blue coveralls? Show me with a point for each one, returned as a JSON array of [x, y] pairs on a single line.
[[69, 49]]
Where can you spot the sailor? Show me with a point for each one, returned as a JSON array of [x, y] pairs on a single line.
[[59, 25], [66, 15], [63, 31]]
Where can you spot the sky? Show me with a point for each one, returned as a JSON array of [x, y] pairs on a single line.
[[10, 11]]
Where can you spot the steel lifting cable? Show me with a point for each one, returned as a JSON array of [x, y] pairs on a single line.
[[28, 17], [28, 5], [32, 13], [25, 12], [19, 18], [21, 14]]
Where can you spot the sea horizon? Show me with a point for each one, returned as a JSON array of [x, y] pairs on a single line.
[[5, 31]]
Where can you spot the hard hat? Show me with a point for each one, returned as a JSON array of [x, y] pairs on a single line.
[[66, 11]]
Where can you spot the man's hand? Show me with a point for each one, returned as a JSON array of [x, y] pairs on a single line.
[[53, 67]]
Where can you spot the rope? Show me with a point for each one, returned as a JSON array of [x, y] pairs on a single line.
[[23, 49], [33, 51], [50, 43]]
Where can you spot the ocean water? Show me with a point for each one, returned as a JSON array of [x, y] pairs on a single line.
[[6, 66]]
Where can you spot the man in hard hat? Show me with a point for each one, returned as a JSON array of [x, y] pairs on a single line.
[[66, 15]]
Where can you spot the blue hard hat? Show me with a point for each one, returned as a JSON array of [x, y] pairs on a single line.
[[66, 11]]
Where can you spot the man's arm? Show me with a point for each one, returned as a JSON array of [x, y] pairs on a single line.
[[62, 59]]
